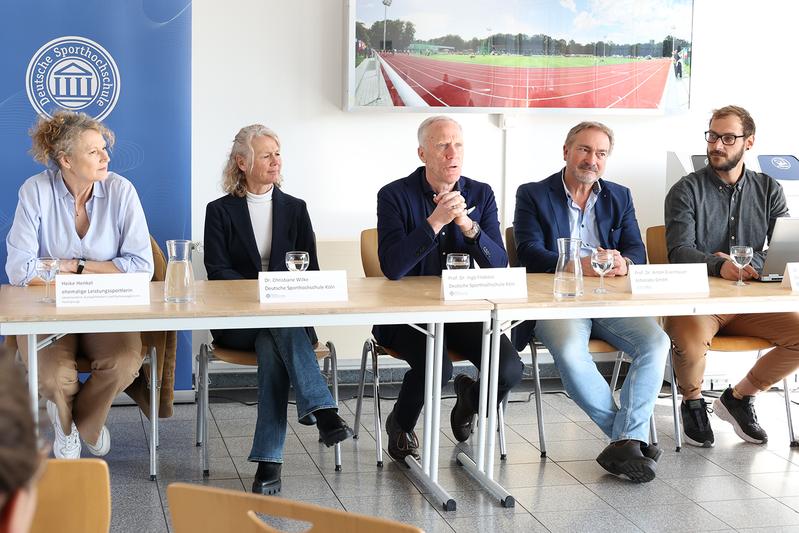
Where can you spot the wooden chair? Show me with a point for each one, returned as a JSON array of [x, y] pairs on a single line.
[[594, 346], [74, 496], [200, 509], [149, 363], [657, 253], [371, 268], [324, 352]]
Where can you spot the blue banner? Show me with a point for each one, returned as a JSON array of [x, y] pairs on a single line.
[[125, 62]]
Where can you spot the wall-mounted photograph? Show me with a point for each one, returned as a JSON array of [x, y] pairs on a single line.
[[626, 55]]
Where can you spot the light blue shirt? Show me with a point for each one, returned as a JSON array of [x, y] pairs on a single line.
[[582, 222], [44, 226]]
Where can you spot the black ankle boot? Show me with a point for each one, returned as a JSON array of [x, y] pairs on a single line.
[[332, 428], [267, 478]]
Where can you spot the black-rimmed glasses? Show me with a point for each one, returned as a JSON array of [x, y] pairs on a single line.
[[726, 139]]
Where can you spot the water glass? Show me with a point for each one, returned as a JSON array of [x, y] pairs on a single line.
[[46, 269], [457, 261], [297, 261], [741, 256], [602, 262]]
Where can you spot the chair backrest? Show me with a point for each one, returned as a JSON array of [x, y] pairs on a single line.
[[199, 509], [74, 496], [369, 259], [656, 249], [510, 246], [159, 261]]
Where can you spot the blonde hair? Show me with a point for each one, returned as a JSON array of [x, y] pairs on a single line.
[[55, 137], [232, 176]]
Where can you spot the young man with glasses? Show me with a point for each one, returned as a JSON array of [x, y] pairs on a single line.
[[707, 212]]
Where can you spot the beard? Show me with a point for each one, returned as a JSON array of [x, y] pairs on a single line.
[[581, 173], [730, 163]]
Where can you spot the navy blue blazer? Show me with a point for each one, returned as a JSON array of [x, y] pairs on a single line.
[[407, 245], [230, 249], [542, 217]]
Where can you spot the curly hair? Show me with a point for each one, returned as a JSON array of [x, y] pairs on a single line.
[[19, 455], [232, 176], [56, 136]]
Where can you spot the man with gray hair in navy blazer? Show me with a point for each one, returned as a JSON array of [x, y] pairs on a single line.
[[420, 219], [576, 202]]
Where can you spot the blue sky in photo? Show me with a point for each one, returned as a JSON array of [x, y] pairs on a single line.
[[620, 21]]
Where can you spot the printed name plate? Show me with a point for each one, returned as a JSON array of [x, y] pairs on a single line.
[[107, 290], [312, 286], [484, 284], [682, 278], [791, 277]]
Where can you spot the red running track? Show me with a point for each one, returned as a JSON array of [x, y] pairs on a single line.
[[638, 85]]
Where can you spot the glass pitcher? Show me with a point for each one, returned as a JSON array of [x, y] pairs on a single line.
[[569, 270], [179, 282]]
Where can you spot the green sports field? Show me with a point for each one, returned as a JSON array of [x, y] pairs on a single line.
[[534, 61]]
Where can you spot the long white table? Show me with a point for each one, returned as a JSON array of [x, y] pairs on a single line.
[[540, 304], [234, 305]]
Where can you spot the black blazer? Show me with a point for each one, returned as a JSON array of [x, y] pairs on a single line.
[[230, 249]]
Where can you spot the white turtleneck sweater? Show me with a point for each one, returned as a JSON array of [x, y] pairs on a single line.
[[260, 207]]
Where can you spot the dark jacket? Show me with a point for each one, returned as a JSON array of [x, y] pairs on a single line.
[[407, 245], [542, 217], [230, 249]]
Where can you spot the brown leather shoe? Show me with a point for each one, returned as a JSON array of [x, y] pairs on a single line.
[[462, 414], [625, 459], [401, 444]]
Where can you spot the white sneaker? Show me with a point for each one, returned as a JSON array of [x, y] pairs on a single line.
[[103, 443], [64, 446]]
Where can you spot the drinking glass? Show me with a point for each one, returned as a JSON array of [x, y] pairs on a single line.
[[602, 263], [741, 256], [46, 269], [458, 261], [297, 261]]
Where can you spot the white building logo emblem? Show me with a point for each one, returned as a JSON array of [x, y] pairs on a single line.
[[781, 163], [73, 73]]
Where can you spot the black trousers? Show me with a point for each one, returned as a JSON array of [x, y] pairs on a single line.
[[466, 340]]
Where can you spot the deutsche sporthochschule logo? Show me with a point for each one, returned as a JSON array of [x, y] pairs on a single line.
[[73, 73]]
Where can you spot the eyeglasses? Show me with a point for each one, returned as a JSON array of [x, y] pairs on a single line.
[[726, 139]]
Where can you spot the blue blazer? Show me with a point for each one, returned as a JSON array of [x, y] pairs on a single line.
[[542, 217], [230, 249], [407, 245]]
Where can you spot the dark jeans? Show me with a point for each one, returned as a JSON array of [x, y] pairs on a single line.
[[285, 358], [465, 339]]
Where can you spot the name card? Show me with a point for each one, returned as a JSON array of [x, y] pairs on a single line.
[[681, 278], [791, 277], [484, 284], [312, 286], [107, 290]]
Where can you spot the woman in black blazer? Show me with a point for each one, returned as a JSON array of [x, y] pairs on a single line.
[[247, 231]]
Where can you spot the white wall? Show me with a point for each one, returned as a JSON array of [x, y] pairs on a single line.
[[281, 63]]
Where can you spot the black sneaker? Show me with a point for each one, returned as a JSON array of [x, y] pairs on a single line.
[[695, 424], [741, 414], [401, 443], [626, 460]]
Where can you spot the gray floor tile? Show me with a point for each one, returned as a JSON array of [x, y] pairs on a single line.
[[676, 517], [575, 450], [594, 520], [759, 462], [685, 465], [554, 432], [138, 519], [716, 488], [481, 524], [474, 503], [236, 427], [753, 513], [407, 508], [620, 493], [557, 498], [377, 483], [775, 485], [293, 465]]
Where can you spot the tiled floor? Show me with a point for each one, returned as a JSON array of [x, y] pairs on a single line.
[[734, 486]]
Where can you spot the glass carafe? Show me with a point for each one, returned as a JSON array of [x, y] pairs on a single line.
[[569, 270], [179, 282]]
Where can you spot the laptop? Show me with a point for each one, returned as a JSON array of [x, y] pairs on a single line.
[[783, 248]]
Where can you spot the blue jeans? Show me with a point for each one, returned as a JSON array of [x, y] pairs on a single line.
[[285, 358], [641, 339]]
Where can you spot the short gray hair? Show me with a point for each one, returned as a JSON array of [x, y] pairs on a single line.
[[589, 125], [233, 176], [426, 123]]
